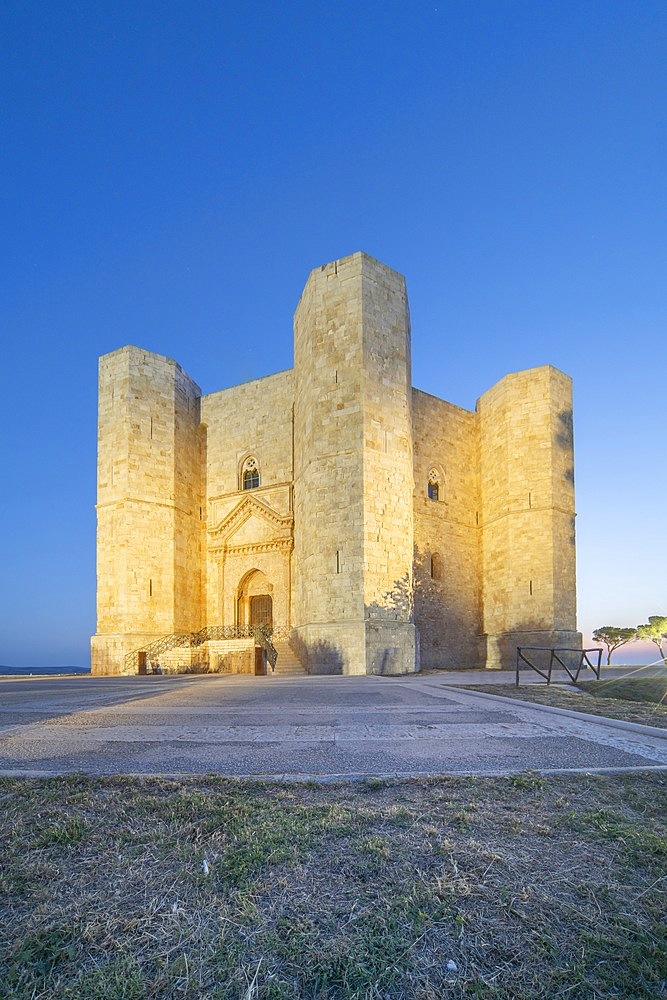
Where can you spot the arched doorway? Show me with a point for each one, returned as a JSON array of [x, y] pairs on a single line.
[[254, 600]]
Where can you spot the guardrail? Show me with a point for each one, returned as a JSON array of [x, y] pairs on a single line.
[[583, 661]]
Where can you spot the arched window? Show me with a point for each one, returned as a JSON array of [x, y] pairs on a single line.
[[250, 474], [433, 488]]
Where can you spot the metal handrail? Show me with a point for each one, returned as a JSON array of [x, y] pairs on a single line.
[[262, 635]]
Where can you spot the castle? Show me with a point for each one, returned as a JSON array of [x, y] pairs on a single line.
[[372, 526]]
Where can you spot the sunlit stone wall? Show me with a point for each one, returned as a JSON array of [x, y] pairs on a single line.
[[447, 538], [527, 514], [249, 532], [353, 469], [150, 509]]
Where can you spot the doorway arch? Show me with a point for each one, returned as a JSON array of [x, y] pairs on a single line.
[[254, 600]]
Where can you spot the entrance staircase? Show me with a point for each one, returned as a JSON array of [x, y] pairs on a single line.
[[274, 641], [287, 664]]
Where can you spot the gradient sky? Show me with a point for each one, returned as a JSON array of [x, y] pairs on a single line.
[[171, 171]]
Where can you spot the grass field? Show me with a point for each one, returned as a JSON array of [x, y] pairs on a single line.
[[644, 689], [531, 887]]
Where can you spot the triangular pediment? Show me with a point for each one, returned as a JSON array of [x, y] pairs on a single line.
[[251, 522]]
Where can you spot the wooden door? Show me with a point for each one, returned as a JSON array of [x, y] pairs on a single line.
[[261, 610]]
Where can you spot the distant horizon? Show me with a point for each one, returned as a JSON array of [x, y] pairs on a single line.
[[6, 668], [638, 658]]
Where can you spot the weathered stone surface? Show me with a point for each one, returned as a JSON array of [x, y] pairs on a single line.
[[527, 514], [384, 527]]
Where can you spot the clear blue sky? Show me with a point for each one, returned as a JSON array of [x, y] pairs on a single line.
[[171, 171]]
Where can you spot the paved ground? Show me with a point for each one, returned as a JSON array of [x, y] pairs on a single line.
[[299, 727]]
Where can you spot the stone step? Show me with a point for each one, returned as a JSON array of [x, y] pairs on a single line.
[[288, 664]]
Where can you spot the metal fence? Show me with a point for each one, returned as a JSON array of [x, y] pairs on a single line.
[[572, 661]]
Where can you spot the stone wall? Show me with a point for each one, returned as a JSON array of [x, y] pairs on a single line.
[[447, 537], [352, 463], [150, 509], [527, 514], [254, 419], [232, 656]]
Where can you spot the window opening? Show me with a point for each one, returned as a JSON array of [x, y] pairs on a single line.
[[433, 488], [250, 474]]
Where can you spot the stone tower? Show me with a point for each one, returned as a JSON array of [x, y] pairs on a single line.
[[527, 515], [353, 535], [149, 506]]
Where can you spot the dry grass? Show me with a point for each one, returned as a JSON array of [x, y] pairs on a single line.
[[606, 697], [534, 887], [641, 689]]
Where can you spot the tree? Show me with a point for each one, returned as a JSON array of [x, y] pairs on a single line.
[[613, 637], [655, 631]]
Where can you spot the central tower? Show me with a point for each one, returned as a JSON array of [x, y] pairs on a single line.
[[353, 470]]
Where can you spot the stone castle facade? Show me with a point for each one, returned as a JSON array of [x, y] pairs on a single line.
[[373, 526]]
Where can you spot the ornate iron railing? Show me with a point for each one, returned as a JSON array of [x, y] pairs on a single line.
[[262, 634]]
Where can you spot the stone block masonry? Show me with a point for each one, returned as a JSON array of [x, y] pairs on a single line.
[[353, 466], [149, 505], [527, 514], [378, 526]]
